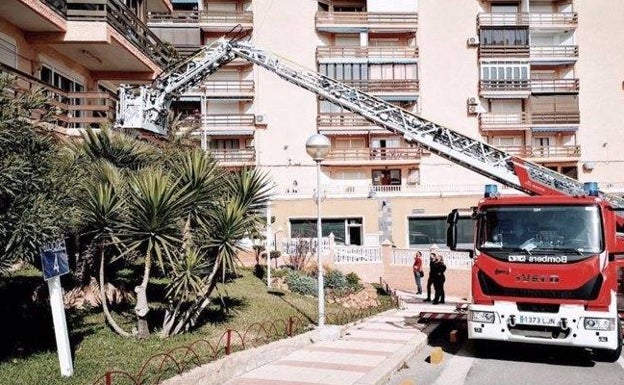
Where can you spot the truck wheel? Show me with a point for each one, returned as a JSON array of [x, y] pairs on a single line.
[[611, 355], [482, 348]]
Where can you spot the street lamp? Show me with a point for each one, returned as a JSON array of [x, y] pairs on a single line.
[[317, 146]]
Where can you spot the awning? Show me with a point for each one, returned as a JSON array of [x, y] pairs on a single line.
[[554, 129]]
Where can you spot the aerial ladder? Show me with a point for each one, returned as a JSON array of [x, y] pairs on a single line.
[[146, 108]]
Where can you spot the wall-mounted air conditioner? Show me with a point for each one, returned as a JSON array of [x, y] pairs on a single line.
[[473, 41], [473, 101], [260, 120], [475, 109]]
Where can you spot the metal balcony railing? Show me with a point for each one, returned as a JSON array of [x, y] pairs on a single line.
[[367, 18], [228, 86], [524, 120], [573, 151], [58, 6], [232, 155], [505, 85], [390, 85], [556, 117], [555, 51], [363, 52], [374, 154], [223, 120], [507, 51], [124, 21], [341, 120], [203, 17], [564, 20], [554, 85], [73, 109]]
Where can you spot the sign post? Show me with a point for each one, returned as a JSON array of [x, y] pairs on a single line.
[[54, 264]]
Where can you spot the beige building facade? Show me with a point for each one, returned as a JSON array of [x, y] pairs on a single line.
[[539, 79]]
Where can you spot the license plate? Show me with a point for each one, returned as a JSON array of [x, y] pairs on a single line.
[[537, 320]]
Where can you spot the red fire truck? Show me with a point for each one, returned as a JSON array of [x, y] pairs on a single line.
[[545, 270]]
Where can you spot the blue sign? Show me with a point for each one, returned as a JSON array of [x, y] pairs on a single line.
[[54, 259]]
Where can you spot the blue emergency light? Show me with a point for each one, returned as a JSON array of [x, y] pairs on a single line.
[[491, 191], [591, 188]]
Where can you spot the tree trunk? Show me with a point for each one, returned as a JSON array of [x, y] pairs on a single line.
[[142, 307], [107, 314]]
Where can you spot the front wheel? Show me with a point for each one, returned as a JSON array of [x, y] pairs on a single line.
[[608, 355]]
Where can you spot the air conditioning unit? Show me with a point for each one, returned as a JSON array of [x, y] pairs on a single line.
[[260, 120], [473, 41], [475, 109], [473, 101]]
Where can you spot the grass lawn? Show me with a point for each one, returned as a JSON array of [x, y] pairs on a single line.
[[28, 349]]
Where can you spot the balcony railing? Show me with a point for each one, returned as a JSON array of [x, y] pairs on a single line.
[[228, 120], [517, 121], [58, 6], [573, 151], [341, 120], [534, 20], [559, 117], [505, 85], [228, 86], [238, 155], [121, 18], [555, 85], [203, 17], [374, 154], [364, 52], [368, 18], [391, 85], [508, 51], [555, 51], [74, 109]]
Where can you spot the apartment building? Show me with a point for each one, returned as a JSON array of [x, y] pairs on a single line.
[[78, 51], [539, 79]]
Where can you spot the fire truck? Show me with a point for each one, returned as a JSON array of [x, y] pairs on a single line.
[[532, 282]]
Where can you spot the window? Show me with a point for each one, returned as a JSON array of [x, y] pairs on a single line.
[[224, 144], [506, 37], [347, 231], [425, 231], [56, 79], [8, 51], [386, 177], [349, 175], [505, 71]]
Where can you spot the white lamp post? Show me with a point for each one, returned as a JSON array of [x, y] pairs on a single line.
[[317, 146]]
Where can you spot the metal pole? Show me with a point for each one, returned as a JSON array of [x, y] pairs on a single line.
[[319, 235], [60, 327]]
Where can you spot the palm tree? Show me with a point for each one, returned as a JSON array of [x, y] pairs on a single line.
[[100, 209], [156, 208]]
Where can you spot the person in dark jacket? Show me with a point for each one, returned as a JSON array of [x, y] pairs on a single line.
[[432, 258], [437, 271]]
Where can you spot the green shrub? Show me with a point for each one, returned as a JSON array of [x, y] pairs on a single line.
[[301, 283], [353, 281], [334, 279], [279, 273]]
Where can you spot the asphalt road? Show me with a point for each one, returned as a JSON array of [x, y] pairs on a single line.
[[506, 364]]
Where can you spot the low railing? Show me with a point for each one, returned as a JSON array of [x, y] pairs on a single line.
[[365, 18], [573, 151], [553, 20], [364, 52], [555, 51], [73, 109], [554, 85], [241, 155], [372, 154], [505, 85], [338, 119], [206, 17], [517, 51], [228, 86], [124, 21], [495, 120], [357, 254], [297, 246], [452, 259], [390, 85], [58, 6], [558, 117], [366, 189], [227, 120]]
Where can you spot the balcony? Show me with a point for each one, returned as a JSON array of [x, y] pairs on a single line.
[[228, 124], [554, 55], [504, 122], [550, 153], [555, 118], [337, 22], [75, 110], [373, 156], [399, 53], [345, 124], [542, 21], [35, 15], [554, 86], [504, 51], [224, 89], [234, 156], [505, 88], [207, 20], [386, 86]]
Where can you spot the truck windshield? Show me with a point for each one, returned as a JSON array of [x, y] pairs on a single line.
[[573, 230]]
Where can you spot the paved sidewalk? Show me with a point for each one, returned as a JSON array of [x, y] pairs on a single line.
[[366, 353]]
